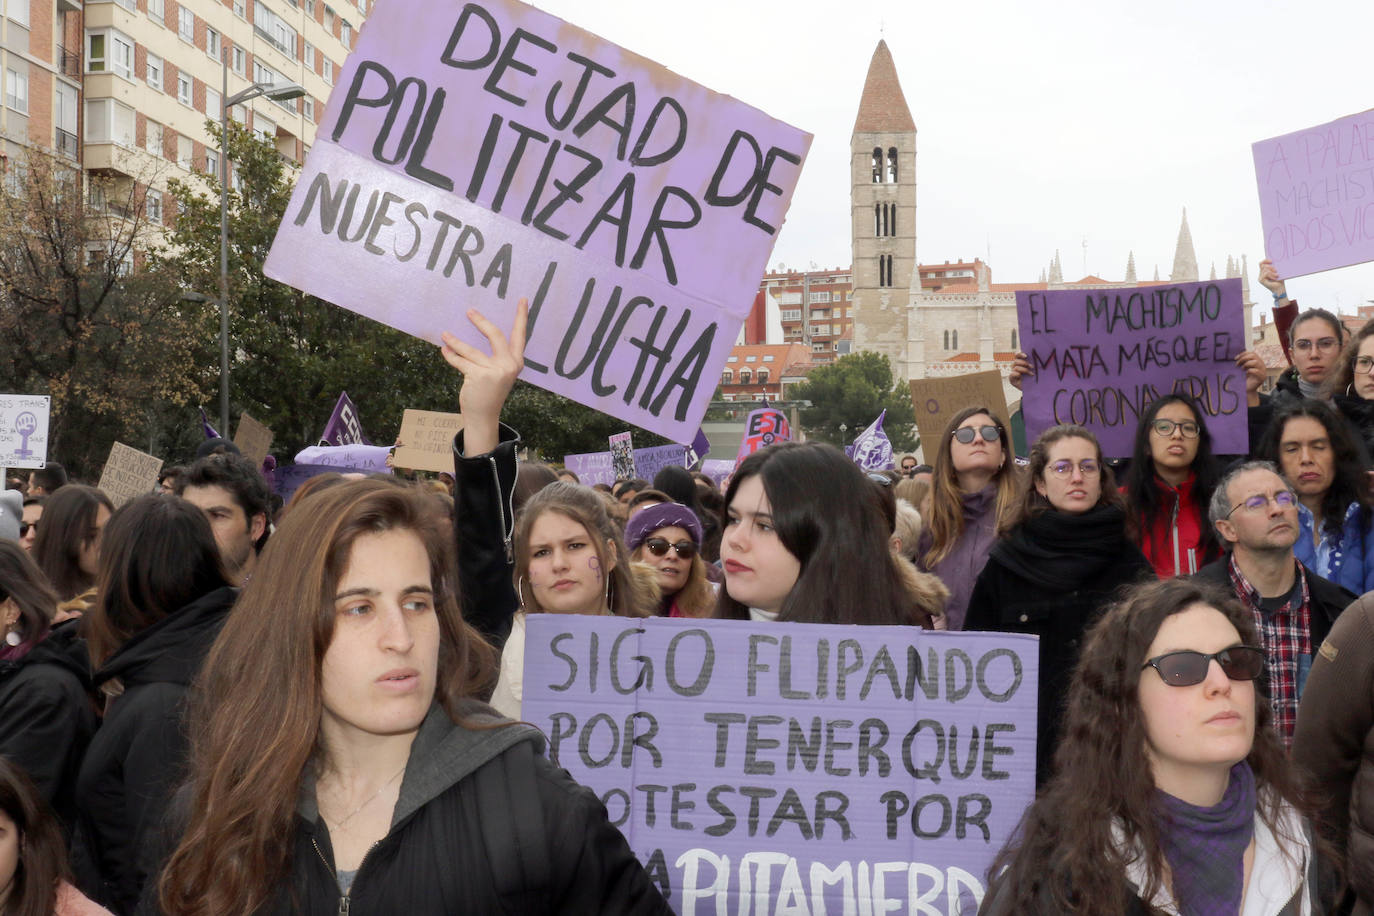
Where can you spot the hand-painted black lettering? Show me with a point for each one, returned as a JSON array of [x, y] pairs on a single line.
[[508, 61], [653, 230], [589, 67], [354, 98], [679, 136]]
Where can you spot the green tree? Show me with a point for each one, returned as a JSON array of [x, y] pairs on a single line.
[[852, 391], [82, 318], [294, 353]]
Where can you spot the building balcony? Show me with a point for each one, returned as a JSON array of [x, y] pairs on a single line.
[[66, 144], [110, 157], [68, 6], [68, 62]]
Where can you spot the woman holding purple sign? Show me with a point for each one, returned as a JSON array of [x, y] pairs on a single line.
[[1171, 792]]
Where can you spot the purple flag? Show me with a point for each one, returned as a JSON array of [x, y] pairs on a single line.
[[872, 449], [344, 427], [206, 427], [699, 449]]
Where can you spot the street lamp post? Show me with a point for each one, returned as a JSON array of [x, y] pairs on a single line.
[[276, 92]]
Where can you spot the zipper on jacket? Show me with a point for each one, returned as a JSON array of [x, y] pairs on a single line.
[[1173, 524], [345, 900], [507, 512]]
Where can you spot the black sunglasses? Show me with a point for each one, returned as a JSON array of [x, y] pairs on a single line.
[[659, 547], [25, 526], [1187, 667], [966, 434]]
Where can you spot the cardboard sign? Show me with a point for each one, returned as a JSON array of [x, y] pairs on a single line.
[[427, 440], [1316, 189], [622, 456], [937, 400], [24, 430], [800, 768], [128, 474], [1102, 355], [485, 152], [253, 439]]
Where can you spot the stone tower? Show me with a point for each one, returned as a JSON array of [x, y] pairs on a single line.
[[1185, 259], [883, 212]]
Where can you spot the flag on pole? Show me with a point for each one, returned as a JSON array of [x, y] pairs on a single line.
[[872, 448], [206, 427], [343, 427]]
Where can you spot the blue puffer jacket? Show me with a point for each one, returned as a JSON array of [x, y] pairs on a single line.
[[1348, 560]]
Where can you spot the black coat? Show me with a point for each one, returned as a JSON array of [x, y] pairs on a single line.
[[484, 530], [46, 716], [1327, 599], [138, 755], [1007, 602]]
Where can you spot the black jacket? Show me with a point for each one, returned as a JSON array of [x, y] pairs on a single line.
[[484, 530], [1327, 598], [483, 824], [46, 716], [138, 755], [1008, 602]]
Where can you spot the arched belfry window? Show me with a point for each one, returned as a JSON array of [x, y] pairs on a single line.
[[877, 219], [1013, 338], [877, 165], [892, 164], [884, 270], [892, 222]]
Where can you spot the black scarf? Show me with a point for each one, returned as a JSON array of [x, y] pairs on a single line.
[[1061, 551]]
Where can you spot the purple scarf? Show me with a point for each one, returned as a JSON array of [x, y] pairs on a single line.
[[1205, 847]]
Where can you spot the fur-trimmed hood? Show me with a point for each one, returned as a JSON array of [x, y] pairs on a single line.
[[928, 593]]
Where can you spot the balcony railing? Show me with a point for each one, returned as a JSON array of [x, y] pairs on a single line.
[[69, 62], [67, 144]]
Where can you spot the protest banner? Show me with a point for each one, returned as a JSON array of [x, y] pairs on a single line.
[[800, 768], [128, 473], [426, 440], [762, 428], [718, 469], [599, 467], [1316, 190], [287, 478], [344, 427], [253, 439], [1101, 356], [365, 459], [488, 152], [937, 400], [649, 461], [591, 468], [24, 430], [622, 456]]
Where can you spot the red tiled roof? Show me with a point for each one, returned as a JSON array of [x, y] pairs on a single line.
[[882, 108], [1000, 356]]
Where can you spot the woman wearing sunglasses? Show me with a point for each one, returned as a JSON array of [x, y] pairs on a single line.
[[1171, 793], [667, 538], [1169, 485], [974, 490], [1057, 566]]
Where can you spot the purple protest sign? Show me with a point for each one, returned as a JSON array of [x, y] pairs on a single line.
[[458, 166], [718, 469], [344, 427], [287, 479], [1315, 188], [367, 459], [591, 467], [1102, 355], [599, 467], [649, 461], [762, 428], [795, 767]]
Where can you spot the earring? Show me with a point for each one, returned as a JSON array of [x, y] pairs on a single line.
[[13, 638], [520, 593], [606, 596]]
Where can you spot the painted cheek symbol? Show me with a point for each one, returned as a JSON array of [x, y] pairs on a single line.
[[595, 566]]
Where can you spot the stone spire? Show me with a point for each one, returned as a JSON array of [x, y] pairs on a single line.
[[1043, 279], [1230, 267], [1156, 273], [1056, 272], [1214, 271], [882, 108], [1185, 259], [1244, 278], [1130, 268]]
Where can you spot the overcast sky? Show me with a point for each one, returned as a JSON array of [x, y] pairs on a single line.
[[1040, 124]]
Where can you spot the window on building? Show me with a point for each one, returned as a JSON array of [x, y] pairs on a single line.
[[155, 72], [1013, 338], [241, 9], [892, 164], [152, 138], [18, 11], [329, 19], [186, 24], [211, 162], [108, 121], [750, 359], [877, 165], [184, 86], [768, 358], [310, 8], [16, 91], [240, 114], [327, 70], [884, 270], [746, 376], [308, 108], [152, 204], [212, 102], [727, 377], [157, 10], [185, 150], [272, 27], [64, 118], [346, 33], [238, 61], [110, 51], [763, 376], [264, 129], [212, 43], [309, 56], [791, 314]]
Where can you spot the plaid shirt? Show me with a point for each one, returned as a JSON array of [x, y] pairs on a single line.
[[1286, 635]]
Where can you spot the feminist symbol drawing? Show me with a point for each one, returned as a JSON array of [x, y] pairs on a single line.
[[26, 424]]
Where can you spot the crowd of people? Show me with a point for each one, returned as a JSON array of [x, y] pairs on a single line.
[[213, 703]]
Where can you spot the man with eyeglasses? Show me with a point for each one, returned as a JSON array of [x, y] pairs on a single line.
[[1255, 513]]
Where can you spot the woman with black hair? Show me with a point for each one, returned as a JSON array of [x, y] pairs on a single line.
[[163, 596], [1171, 791], [33, 857], [1057, 565], [1313, 446], [805, 541], [1169, 484], [1350, 385], [46, 719]]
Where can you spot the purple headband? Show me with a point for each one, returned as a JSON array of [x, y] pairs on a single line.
[[664, 515]]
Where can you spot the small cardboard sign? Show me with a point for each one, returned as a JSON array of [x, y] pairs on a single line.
[[129, 473], [622, 456], [794, 768], [24, 430], [937, 400], [253, 439], [486, 152], [1101, 356], [1315, 188], [425, 442]]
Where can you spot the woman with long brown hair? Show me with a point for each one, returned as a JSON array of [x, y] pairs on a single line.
[[973, 494], [34, 878], [1171, 791], [67, 547], [338, 761]]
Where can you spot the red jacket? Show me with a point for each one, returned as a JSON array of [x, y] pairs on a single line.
[[1176, 544]]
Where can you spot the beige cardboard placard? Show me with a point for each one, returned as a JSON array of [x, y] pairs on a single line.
[[253, 439], [128, 473], [427, 440], [936, 400]]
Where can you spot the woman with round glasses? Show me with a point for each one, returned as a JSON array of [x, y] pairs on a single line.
[[1057, 565], [1169, 485], [973, 493], [667, 537], [1311, 443], [1171, 792]]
